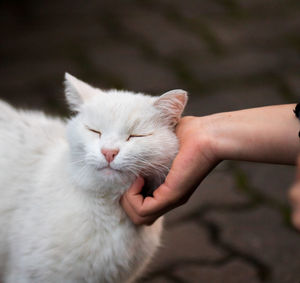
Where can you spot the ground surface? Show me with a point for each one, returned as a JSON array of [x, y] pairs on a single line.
[[229, 54]]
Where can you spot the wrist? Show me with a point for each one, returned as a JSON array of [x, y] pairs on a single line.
[[221, 143], [209, 137]]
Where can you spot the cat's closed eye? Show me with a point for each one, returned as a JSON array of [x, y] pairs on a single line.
[[138, 136], [94, 131]]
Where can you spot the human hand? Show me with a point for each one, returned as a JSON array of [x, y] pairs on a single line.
[[264, 134], [196, 158], [294, 195]]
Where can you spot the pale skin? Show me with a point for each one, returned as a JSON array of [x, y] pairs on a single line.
[[266, 134]]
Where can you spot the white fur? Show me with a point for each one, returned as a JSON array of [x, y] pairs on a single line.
[[60, 216]]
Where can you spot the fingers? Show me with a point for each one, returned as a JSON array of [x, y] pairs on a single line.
[[137, 186], [133, 204], [146, 210], [133, 197], [133, 211]]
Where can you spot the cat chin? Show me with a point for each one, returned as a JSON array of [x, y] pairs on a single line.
[[109, 171], [112, 176], [101, 180]]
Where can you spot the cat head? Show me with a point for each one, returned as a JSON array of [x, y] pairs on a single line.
[[115, 135]]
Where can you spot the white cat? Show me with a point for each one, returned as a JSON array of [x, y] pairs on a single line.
[[60, 184]]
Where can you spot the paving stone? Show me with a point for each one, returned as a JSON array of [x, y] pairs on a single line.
[[182, 245], [232, 272], [157, 279], [239, 65], [53, 37], [194, 8], [260, 233], [293, 81], [34, 72], [273, 7], [273, 181], [164, 36], [262, 32], [218, 189], [69, 8], [128, 63], [233, 98]]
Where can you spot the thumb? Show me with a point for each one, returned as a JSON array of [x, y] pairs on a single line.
[[137, 186], [132, 199]]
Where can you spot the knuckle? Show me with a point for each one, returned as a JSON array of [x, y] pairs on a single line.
[[138, 221], [140, 211]]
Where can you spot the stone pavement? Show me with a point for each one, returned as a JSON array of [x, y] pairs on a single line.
[[229, 54]]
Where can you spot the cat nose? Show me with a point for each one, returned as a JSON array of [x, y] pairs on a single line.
[[110, 154]]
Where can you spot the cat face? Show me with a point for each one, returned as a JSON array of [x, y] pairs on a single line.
[[117, 135]]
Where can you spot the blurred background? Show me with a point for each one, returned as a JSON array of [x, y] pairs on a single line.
[[229, 55]]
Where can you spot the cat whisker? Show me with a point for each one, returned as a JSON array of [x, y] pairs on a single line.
[[80, 161]]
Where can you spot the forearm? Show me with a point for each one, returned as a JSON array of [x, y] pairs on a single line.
[[266, 134]]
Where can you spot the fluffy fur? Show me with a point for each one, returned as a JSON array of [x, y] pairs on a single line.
[[60, 216]]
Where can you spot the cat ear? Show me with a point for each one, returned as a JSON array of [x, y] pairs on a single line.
[[77, 92], [171, 104]]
